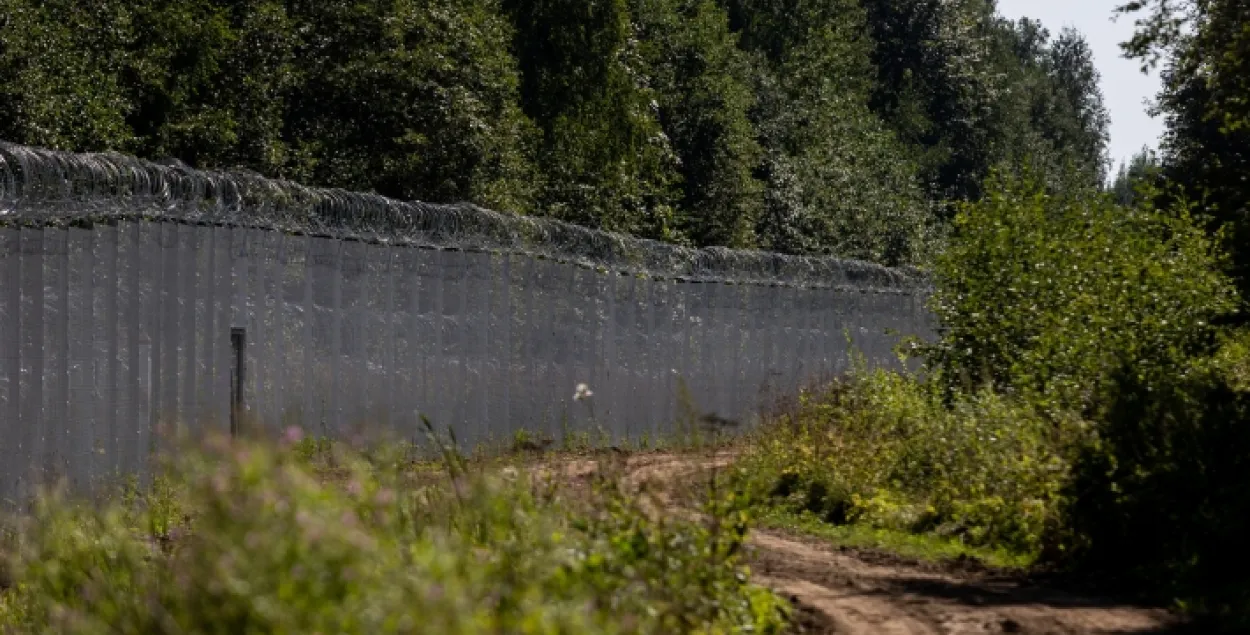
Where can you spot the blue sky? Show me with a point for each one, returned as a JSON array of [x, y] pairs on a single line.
[[1124, 87]]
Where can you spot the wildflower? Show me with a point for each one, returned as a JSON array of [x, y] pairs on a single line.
[[582, 392], [294, 434]]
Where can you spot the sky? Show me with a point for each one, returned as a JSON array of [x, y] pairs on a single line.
[[1124, 88]]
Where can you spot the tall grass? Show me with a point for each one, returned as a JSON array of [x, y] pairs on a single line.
[[307, 537], [885, 451]]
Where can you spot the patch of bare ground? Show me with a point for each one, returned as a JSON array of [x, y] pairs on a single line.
[[849, 591], [862, 594]]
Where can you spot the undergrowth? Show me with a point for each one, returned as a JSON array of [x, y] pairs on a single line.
[[885, 453], [924, 547], [1086, 404], [258, 538]]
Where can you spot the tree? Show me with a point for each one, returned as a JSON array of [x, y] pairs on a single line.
[[606, 160], [61, 74], [413, 99], [937, 89], [968, 91], [838, 182], [1050, 294], [1079, 123], [211, 82], [1051, 116], [1142, 169], [1206, 104], [703, 82]]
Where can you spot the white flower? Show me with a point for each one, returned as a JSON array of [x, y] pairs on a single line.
[[582, 392]]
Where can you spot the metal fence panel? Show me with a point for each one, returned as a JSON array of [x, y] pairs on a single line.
[[138, 319]]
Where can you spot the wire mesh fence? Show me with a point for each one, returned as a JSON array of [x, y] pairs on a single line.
[[134, 295]]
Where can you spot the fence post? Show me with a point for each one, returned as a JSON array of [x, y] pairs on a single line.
[[238, 342]]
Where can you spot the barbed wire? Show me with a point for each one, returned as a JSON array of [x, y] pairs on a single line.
[[49, 187]]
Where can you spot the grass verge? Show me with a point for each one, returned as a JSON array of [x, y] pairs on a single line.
[[920, 547], [310, 537], [881, 460]]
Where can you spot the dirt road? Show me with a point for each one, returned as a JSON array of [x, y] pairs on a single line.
[[855, 592]]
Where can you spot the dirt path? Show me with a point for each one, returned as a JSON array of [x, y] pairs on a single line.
[[849, 592]]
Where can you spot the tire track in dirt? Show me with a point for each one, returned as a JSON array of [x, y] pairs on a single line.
[[843, 591]]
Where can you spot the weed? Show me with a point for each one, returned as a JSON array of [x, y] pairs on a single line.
[[247, 537], [885, 451]]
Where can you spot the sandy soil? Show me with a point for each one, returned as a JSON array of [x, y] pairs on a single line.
[[858, 592]]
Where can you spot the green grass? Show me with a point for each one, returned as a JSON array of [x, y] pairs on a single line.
[[922, 547], [882, 460], [307, 536]]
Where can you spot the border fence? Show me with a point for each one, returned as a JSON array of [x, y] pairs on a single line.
[[135, 294]]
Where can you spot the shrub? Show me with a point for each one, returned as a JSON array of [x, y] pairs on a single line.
[[1050, 295], [261, 544], [886, 450], [1075, 304], [1162, 498]]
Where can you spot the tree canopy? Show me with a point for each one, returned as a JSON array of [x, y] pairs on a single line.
[[844, 127], [1204, 49]]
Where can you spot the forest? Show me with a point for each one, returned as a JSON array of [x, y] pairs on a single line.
[[841, 127]]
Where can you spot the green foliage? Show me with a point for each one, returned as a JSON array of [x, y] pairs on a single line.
[[1068, 110], [703, 81], [1086, 402], [1050, 294], [1205, 102], [413, 100], [52, 92], [1160, 499], [885, 451], [1141, 171], [606, 160], [261, 544], [1075, 304], [184, 100], [409, 99], [937, 87], [837, 181], [967, 91], [799, 126]]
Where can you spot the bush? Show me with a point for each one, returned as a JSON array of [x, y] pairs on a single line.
[[885, 450], [1075, 304], [250, 540], [1162, 499], [1084, 402], [1049, 295]]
